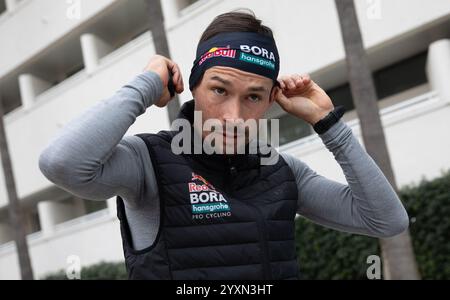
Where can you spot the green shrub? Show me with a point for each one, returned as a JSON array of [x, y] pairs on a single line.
[[328, 254], [100, 271], [428, 207]]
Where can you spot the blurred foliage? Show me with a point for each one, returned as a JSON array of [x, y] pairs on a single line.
[[100, 271], [328, 254]]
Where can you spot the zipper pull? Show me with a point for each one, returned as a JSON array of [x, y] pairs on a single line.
[[233, 170]]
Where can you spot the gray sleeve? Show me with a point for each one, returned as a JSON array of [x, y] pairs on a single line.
[[367, 205], [91, 158]]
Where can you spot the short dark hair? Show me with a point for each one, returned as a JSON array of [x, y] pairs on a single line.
[[235, 21]]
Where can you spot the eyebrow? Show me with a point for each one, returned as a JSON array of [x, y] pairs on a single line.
[[257, 89], [250, 89], [217, 78]]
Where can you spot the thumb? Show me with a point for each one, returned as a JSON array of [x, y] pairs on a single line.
[[284, 102], [165, 98]]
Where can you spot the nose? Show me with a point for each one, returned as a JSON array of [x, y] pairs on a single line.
[[232, 110]]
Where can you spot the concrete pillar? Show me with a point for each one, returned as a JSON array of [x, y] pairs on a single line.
[[438, 68], [47, 216], [11, 5], [93, 49], [51, 213], [30, 87], [112, 207]]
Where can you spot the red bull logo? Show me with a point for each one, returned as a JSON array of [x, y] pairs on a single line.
[[206, 201], [217, 52], [206, 184]]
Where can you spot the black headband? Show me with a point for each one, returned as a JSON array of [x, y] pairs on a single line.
[[246, 51]]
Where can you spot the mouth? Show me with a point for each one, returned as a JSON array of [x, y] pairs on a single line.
[[229, 135]]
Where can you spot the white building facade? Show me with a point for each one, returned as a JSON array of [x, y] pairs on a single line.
[[60, 57]]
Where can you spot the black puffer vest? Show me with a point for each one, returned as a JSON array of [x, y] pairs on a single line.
[[222, 217]]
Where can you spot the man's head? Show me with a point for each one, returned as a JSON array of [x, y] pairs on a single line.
[[236, 69]]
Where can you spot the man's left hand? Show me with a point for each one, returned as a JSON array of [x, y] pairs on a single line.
[[303, 98]]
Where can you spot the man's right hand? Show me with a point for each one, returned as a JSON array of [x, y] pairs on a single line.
[[162, 66]]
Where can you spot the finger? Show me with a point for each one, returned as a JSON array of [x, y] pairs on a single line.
[[164, 99], [182, 81], [176, 76], [179, 84], [281, 82], [306, 78], [170, 73], [172, 67], [284, 102], [298, 81], [175, 72], [290, 83], [297, 77]]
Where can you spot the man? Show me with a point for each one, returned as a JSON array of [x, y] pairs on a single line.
[[219, 216]]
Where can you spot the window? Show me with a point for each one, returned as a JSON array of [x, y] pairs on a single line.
[[402, 76], [187, 3], [185, 6], [65, 74], [32, 218], [389, 81], [342, 95], [74, 207], [10, 96], [292, 128], [93, 206]]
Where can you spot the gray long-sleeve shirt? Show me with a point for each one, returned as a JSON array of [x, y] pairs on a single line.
[[92, 159]]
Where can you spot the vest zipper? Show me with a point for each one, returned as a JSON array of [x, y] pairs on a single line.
[[263, 243], [261, 228]]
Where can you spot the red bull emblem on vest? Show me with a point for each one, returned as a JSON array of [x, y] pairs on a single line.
[[206, 201]]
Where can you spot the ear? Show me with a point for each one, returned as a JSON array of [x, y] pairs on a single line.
[[273, 93]]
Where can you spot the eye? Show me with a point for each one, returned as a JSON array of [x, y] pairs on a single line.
[[219, 91], [254, 98]]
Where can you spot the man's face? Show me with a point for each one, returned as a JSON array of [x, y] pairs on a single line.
[[232, 96]]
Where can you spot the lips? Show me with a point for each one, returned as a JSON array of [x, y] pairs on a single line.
[[233, 136], [229, 135]]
